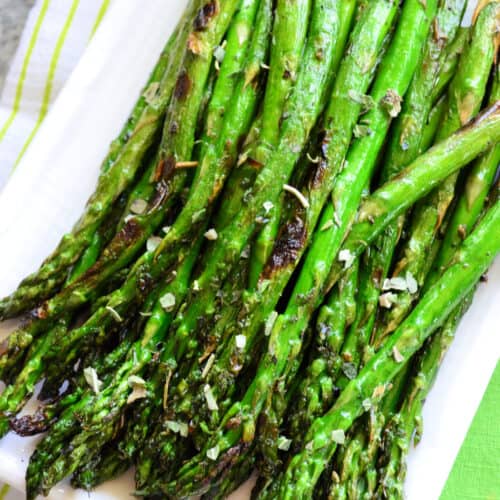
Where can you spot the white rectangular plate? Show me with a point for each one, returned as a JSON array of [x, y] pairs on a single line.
[[49, 189]]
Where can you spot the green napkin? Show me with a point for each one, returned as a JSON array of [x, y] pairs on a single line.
[[476, 471]]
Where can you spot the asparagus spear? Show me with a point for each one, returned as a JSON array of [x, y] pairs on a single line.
[[351, 356], [177, 146], [290, 326], [415, 181], [222, 139], [341, 116], [264, 242], [317, 389], [401, 430], [380, 208], [112, 182], [95, 423], [408, 140], [108, 465], [244, 19], [465, 98], [452, 56], [360, 481], [470, 204], [29, 374], [62, 416], [223, 358], [187, 97], [471, 201], [302, 111], [258, 49], [470, 262]]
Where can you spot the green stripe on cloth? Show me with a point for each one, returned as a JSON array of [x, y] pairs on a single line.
[[476, 471], [24, 68], [100, 16], [50, 78]]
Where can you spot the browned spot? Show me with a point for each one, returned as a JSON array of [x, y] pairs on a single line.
[[228, 459], [347, 356], [4, 348], [287, 75], [319, 174], [377, 276], [130, 231], [286, 250], [168, 168], [182, 86], [158, 173], [194, 44], [435, 29], [174, 127], [30, 425], [205, 14], [252, 162], [42, 311]]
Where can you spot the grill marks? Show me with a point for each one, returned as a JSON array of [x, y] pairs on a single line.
[[288, 246], [205, 14], [182, 86]]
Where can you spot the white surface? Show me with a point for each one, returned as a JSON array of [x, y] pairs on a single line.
[[58, 173], [38, 70]]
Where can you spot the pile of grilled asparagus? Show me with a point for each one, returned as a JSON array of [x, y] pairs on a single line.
[[281, 244]]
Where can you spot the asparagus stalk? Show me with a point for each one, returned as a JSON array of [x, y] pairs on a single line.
[[465, 98], [212, 375], [15, 395], [177, 146], [12, 366], [358, 164], [470, 204], [226, 359], [470, 262], [290, 326], [341, 116], [187, 97], [360, 481], [379, 209], [417, 180], [401, 430], [452, 56], [255, 60], [317, 389], [117, 395], [410, 137], [96, 423], [114, 179], [264, 242], [471, 201], [108, 465], [11, 359], [61, 417], [302, 111]]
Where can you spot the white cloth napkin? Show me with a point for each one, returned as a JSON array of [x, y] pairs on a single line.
[[55, 36]]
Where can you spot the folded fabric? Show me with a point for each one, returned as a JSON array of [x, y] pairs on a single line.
[[54, 38]]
